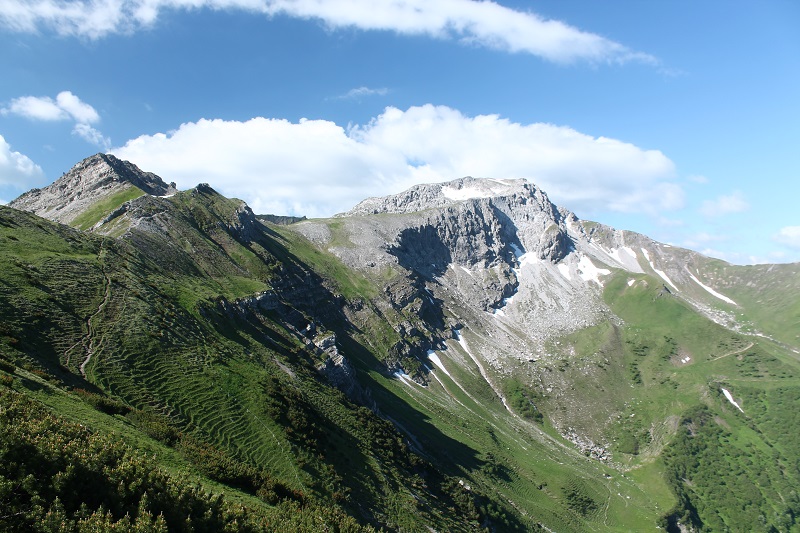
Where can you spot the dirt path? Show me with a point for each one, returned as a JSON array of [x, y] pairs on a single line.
[[740, 350], [88, 339]]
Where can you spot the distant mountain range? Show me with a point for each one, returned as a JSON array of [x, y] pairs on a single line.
[[461, 356]]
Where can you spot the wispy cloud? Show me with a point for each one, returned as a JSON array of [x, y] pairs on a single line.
[[66, 106], [362, 92], [91, 135], [16, 169], [266, 161], [725, 205], [789, 236], [698, 178], [477, 23]]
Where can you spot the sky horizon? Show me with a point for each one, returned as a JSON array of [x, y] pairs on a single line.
[[677, 120]]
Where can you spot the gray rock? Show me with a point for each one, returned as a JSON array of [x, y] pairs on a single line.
[[93, 179]]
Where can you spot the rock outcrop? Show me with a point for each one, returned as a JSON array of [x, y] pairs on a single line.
[[93, 179]]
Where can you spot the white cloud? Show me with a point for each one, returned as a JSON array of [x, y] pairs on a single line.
[[82, 112], [481, 23], [725, 205], [91, 135], [318, 168], [66, 106], [360, 92], [16, 169], [36, 108], [789, 236]]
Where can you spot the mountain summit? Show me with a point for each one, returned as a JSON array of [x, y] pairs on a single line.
[[434, 195], [101, 177]]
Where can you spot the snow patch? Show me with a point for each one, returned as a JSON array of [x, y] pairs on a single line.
[[564, 270], [661, 273], [466, 193], [589, 272], [730, 399], [522, 256], [405, 378], [626, 257], [438, 363], [711, 291], [481, 369]]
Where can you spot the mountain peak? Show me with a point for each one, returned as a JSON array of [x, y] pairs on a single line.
[[435, 195], [95, 178]]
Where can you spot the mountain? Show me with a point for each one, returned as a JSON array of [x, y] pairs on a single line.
[[96, 185], [456, 357]]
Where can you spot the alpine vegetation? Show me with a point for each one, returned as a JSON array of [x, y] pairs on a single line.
[[461, 356]]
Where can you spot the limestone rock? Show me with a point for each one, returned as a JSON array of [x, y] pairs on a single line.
[[93, 179]]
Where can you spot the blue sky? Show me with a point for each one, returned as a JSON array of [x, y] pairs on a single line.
[[677, 119]]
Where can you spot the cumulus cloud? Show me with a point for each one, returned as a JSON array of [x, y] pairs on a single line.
[[82, 112], [725, 205], [317, 168], [789, 236], [65, 106], [16, 169], [479, 23]]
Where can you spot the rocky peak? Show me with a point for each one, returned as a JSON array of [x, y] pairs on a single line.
[[91, 180], [438, 195], [472, 221]]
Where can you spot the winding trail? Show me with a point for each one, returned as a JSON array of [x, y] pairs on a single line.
[[740, 350], [88, 339]]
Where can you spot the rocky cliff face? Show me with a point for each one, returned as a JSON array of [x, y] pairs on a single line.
[[93, 179], [498, 258]]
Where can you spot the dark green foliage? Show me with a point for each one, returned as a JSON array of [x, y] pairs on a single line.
[[729, 483], [523, 400], [7, 367], [103, 403], [577, 499], [59, 476], [154, 425]]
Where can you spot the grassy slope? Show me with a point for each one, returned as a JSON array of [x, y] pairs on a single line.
[[103, 207], [163, 343], [237, 391], [767, 294], [731, 452]]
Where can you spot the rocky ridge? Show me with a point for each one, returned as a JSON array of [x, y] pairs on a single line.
[[93, 179]]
